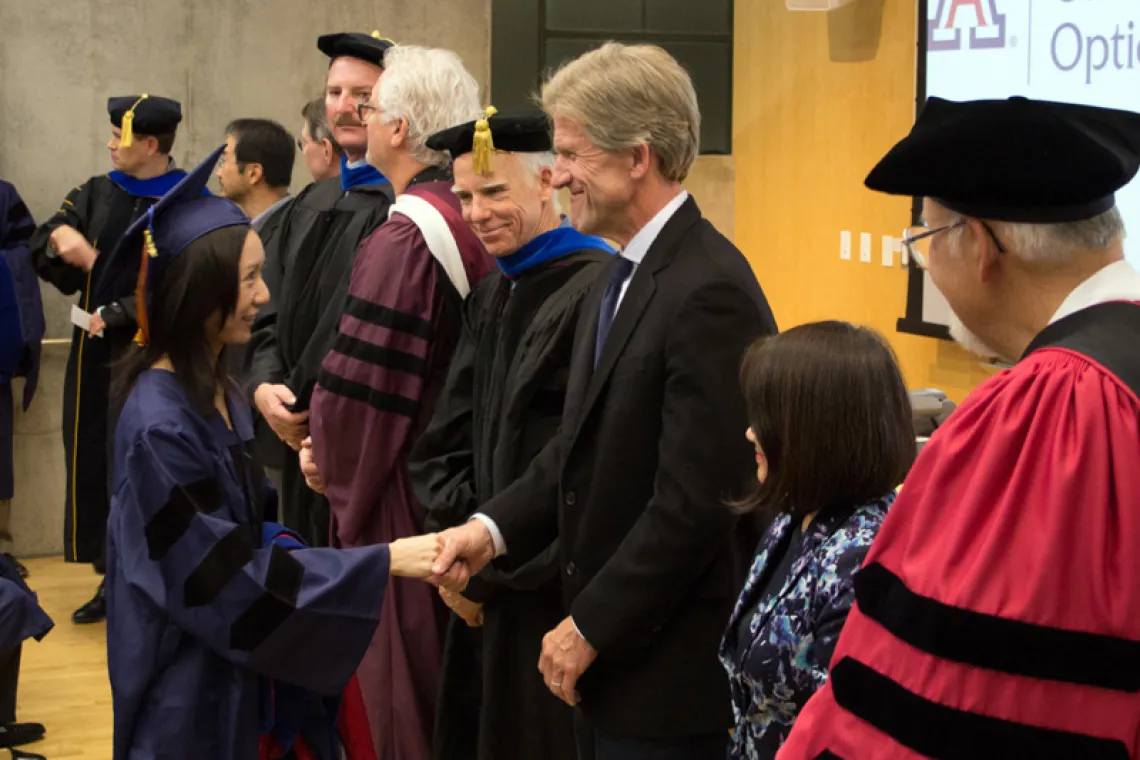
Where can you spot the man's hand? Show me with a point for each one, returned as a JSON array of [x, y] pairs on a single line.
[[309, 467], [97, 326], [471, 612], [74, 248], [466, 550], [565, 657], [289, 427]]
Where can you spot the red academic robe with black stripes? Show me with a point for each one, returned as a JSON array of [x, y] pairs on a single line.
[[375, 394], [998, 612]]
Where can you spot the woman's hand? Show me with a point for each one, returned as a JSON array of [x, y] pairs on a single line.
[[413, 557], [471, 612]]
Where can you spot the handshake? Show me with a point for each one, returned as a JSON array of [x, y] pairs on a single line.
[[447, 560]]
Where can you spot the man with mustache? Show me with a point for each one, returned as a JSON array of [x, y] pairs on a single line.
[[501, 406], [998, 612], [313, 252]]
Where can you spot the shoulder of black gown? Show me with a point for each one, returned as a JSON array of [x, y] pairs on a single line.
[[566, 281]]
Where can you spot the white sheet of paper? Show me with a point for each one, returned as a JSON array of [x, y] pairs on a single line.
[[80, 318]]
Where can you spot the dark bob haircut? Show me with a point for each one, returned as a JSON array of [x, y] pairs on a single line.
[[199, 283], [832, 415]]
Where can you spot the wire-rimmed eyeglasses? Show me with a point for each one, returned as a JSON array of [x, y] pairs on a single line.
[[916, 241], [364, 110]]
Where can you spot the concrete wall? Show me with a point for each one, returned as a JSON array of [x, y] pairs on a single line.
[[223, 59]]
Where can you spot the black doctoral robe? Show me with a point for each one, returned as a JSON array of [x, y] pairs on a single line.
[[100, 209], [513, 358], [313, 252]]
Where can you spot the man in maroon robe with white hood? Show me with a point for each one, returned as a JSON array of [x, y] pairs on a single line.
[[378, 385]]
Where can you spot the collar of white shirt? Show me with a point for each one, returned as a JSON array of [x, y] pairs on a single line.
[[644, 238], [1118, 281]]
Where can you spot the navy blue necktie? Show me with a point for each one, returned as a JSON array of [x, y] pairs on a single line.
[[621, 270]]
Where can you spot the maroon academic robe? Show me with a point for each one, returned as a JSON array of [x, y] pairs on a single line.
[[998, 612], [375, 394]]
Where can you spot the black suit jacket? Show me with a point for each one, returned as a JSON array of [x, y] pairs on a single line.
[[651, 448]]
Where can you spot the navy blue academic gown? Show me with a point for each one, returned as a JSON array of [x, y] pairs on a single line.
[[198, 607], [21, 321]]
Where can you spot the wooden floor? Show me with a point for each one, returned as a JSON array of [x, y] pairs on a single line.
[[63, 679]]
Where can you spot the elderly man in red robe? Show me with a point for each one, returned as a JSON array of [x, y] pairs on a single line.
[[378, 385], [998, 613]]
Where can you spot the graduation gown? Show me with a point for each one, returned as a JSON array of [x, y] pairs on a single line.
[[376, 393], [311, 257], [21, 322], [998, 612], [198, 606], [502, 404], [100, 209]]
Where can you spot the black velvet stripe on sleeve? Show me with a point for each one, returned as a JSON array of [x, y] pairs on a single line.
[[381, 356], [996, 643], [264, 616], [946, 733], [173, 519], [220, 565], [383, 316], [379, 400]]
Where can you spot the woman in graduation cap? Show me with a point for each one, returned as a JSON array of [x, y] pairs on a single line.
[[200, 605]]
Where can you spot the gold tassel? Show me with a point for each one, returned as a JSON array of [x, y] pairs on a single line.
[[143, 335], [376, 35], [128, 135], [482, 146], [151, 248]]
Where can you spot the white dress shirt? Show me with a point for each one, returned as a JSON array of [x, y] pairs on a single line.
[[635, 251], [1118, 281]]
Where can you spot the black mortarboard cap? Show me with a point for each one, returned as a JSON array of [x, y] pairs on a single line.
[[144, 114], [527, 133], [367, 47], [176, 220], [1015, 160]]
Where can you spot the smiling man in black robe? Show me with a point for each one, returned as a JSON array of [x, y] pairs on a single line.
[[314, 251], [501, 405]]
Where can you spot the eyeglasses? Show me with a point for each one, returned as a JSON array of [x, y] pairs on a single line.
[[916, 241], [364, 111]]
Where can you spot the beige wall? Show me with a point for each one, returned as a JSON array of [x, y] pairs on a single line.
[[223, 59]]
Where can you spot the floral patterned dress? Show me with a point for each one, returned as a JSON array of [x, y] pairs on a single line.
[[793, 622]]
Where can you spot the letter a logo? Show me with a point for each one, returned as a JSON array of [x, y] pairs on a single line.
[[986, 25]]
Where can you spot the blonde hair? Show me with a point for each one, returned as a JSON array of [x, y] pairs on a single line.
[[432, 90], [626, 95]]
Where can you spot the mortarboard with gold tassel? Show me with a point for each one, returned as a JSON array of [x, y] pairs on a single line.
[[525, 133], [144, 115]]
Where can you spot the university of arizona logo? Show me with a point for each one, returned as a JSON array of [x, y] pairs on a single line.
[[986, 25]]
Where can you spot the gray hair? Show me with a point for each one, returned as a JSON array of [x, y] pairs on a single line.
[[431, 89], [623, 96], [1054, 243], [316, 116], [534, 163]]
